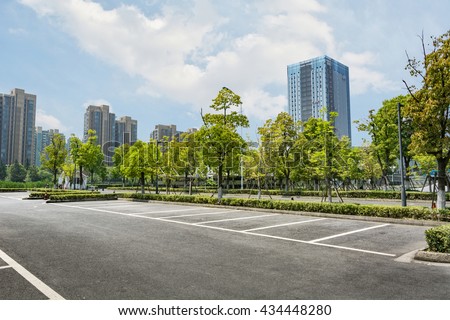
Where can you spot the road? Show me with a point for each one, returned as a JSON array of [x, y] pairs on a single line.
[[132, 250]]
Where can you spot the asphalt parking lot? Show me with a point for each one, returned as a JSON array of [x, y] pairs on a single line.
[[134, 250]]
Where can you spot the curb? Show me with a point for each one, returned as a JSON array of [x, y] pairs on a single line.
[[430, 256]]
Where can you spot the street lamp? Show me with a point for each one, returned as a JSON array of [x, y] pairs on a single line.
[[402, 168]]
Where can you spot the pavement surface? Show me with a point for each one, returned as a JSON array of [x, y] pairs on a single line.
[[134, 250]]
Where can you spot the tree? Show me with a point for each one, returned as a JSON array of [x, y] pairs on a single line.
[[140, 161], [17, 172], [189, 159], [382, 127], [75, 154], [429, 107], [33, 174], [92, 155], [323, 150], [218, 135], [118, 161], [3, 171], [54, 156], [281, 141]]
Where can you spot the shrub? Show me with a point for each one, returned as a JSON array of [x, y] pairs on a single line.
[[438, 238], [396, 212], [81, 197]]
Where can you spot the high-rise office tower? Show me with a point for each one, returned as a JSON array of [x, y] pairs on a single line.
[[161, 131], [99, 118], [320, 84], [126, 130], [17, 121]]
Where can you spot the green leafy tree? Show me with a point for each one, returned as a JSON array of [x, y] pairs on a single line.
[[17, 172], [92, 155], [75, 154], [54, 156], [189, 158], [382, 127], [140, 161], [218, 135], [281, 142], [254, 167], [33, 174], [119, 156], [429, 107], [3, 171], [323, 151]]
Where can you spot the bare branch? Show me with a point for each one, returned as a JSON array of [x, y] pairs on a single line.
[[410, 91]]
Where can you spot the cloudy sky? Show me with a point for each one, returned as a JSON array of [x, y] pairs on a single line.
[[162, 61]]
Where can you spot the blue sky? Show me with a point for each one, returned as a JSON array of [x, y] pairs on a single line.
[[162, 61]]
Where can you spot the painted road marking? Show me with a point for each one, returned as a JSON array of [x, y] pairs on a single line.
[[12, 198], [165, 211], [38, 284], [200, 214], [5, 267], [347, 233], [233, 219], [232, 230], [284, 224]]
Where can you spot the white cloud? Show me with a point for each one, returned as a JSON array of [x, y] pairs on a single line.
[[47, 121], [362, 77], [188, 55]]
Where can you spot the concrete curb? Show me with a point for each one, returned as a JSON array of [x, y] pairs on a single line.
[[440, 257]]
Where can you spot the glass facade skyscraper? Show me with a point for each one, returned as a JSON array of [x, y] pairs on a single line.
[[17, 120], [320, 84]]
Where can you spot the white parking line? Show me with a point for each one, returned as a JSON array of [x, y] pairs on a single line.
[[164, 211], [12, 198], [284, 224], [234, 231], [5, 267], [200, 214], [347, 233], [233, 219], [38, 284]]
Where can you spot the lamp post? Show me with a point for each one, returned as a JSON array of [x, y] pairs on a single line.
[[402, 168]]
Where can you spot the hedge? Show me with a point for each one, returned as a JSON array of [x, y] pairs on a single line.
[[81, 197], [41, 194], [364, 194], [397, 212], [438, 238], [13, 189]]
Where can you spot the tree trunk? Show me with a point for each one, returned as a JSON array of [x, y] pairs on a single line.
[[219, 182], [328, 190], [81, 176], [142, 182], [442, 181], [259, 188]]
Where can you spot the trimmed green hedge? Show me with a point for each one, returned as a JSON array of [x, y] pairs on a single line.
[[438, 238], [13, 189], [363, 194], [41, 194], [397, 212], [82, 197]]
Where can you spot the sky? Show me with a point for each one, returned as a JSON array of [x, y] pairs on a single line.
[[162, 62]]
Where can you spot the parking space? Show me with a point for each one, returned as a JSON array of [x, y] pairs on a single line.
[[366, 237], [137, 250]]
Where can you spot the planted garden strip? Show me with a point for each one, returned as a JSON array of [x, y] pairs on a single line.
[[418, 213]]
